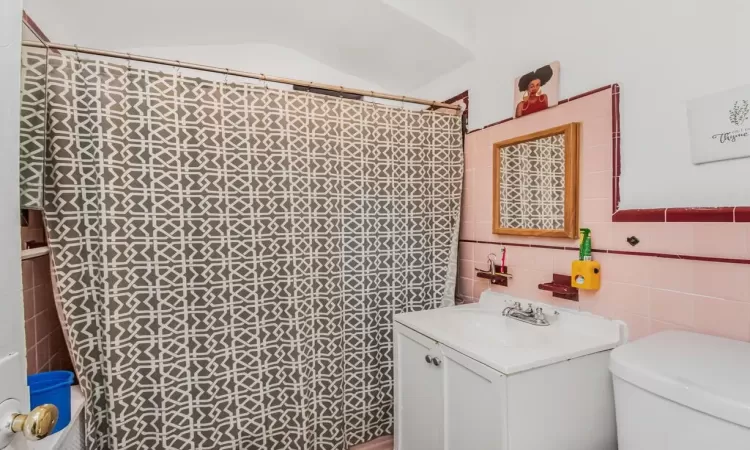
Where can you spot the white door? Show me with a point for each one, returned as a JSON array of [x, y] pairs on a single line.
[[418, 391], [13, 392], [475, 404]]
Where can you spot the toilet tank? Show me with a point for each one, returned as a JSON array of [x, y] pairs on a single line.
[[678, 390]]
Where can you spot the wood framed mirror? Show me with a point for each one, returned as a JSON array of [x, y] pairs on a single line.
[[535, 190]]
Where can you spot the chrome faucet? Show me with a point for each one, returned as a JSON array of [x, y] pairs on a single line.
[[528, 315]]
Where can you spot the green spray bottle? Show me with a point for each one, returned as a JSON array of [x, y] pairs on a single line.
[[585, 272]]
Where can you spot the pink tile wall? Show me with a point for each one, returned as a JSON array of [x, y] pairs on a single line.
[[381, 443], [45, 344], [649, 293]]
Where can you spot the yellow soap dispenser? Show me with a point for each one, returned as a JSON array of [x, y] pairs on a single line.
[[586, 273]]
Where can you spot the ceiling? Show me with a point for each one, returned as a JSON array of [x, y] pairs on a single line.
[[397, 44]]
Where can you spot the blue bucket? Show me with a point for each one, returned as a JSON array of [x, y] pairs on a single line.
[[54, 388]]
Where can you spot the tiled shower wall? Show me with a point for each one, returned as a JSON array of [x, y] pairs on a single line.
[[45, 344], [649, 293]]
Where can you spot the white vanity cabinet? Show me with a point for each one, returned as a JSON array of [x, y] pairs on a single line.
[[468, 379], [419, 390], [444, 399]]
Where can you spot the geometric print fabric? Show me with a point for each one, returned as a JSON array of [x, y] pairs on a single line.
[[532, 184], [32, 132], [229, 257]]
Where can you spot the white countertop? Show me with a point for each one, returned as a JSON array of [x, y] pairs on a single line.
[[481, 332]]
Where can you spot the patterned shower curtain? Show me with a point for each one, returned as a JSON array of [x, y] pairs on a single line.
[[32, 129], [229, 257]]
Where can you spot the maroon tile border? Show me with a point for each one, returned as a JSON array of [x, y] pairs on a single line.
[[700, 214], [560, 102], [742, 214], [492, 124], [615, 147], [585, 94], [640, 215], [463, 97], [725, 214], [516, 244], [455, 98], [721, 214], [620, 252]]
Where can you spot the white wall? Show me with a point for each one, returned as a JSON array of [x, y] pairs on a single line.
[[375, 40], [449, 84], [452, 18], [662, 52], [259, 58], [11, 319], [255, 57], [262, 58]]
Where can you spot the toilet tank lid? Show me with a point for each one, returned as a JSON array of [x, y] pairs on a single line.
[[707, 373]]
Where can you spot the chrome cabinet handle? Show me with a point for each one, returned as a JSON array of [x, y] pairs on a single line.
[[427, 359], [436, 362]]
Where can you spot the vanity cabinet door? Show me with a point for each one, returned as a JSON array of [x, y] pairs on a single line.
[[418, 391], [475, 404]]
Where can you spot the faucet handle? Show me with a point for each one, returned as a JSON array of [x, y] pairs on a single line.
[[516, 306], [539, 313]]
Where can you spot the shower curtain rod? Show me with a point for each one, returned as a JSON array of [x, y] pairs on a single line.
[[237, 73]]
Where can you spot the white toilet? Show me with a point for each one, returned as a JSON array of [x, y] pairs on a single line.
[[682, 391]]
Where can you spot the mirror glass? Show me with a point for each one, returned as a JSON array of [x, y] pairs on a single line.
[[536, 183]]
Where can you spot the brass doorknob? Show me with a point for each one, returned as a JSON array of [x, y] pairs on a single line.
[[37, 424]]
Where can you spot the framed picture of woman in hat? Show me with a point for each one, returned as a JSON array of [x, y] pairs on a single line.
[[537, 90]]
